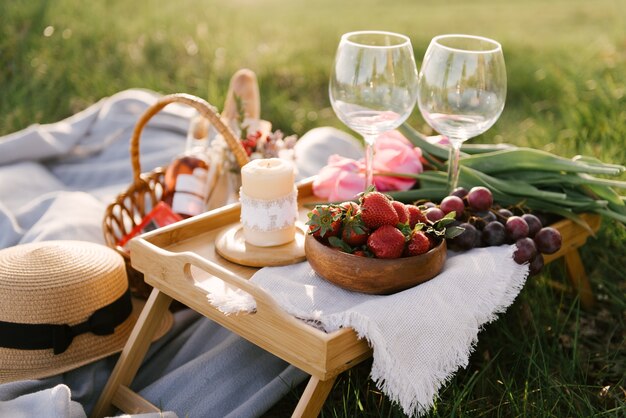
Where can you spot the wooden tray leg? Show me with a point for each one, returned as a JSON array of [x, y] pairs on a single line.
[[132, 356], [313, 398], [578, 277]]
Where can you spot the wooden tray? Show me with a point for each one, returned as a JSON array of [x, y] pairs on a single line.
[[181, 261]]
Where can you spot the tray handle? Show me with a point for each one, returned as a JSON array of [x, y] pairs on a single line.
[[178, 262], [204, 108]]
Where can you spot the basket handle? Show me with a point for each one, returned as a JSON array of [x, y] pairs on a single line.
[[204, 108]]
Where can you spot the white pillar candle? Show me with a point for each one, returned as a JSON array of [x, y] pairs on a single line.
[[269, 207]]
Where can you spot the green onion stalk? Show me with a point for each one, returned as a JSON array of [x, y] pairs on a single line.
[[536, 179]]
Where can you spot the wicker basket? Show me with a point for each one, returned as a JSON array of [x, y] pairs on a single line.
[[146, 190]]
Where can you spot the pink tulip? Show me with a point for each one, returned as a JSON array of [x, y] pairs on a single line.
[[344, 178]]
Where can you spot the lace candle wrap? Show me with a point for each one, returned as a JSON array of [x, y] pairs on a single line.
[[269, 207]]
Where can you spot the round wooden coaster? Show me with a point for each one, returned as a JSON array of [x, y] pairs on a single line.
[[231, 245]]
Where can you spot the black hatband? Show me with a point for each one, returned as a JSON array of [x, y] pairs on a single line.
[[60, 336]]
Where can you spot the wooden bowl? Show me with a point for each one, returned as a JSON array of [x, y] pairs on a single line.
[[373, 275]]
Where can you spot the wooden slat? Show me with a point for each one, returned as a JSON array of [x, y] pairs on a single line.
[[131, 402], [578, 277], [134, 351], [573, 237], [313, 398]]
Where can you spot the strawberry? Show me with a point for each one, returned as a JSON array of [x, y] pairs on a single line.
[[419, 243], [324, 222], [402, 211], [360, 253], [354, 232], [377, 210], [386, 242], [415, 215]]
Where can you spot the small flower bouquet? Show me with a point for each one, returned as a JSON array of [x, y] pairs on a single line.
[[260, 142], [257, 139]]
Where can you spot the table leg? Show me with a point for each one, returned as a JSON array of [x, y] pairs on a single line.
[[578, 277], [134, 351], [313, 398]]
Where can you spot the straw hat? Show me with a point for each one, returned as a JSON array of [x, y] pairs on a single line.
[[65, 297]]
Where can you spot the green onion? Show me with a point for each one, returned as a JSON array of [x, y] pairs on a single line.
[[515, 175], [419, 140], [522, 159]]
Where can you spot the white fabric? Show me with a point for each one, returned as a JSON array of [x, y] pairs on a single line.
[[56, 403], [420, 336], [57, 179], [51, 403]]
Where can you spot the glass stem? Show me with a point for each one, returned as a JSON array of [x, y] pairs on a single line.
[[453, 163], [369, 159]]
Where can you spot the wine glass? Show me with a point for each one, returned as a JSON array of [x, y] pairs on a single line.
[[373, 85], [461, 90]]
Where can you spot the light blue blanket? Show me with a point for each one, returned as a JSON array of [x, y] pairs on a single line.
[[55, 183]]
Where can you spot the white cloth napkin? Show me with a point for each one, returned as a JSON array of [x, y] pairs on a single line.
[[420, 336], [53, 403], [56, 402]]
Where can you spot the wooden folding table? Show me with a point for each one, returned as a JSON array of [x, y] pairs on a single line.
[[176, 260]]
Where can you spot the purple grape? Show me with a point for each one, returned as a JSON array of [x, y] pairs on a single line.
[[428, 205], [536, 264], [534, 224], [479, 198], [544, 218], [504, 214], [478, 222], [467, 239], [516, 228], [434, 214], [526, 250], [478, 240], [486, 216], [459, 192], [453, 203], [548, 240], [494, 234]]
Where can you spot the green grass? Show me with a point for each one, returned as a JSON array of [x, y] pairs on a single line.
[[566, 64]]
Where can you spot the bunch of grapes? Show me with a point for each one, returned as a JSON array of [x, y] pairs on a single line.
[[486, 225]]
